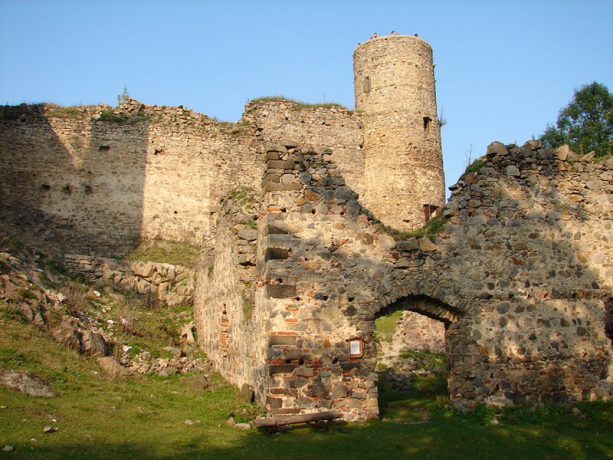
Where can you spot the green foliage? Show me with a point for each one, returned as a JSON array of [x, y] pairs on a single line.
[[398, 235], [27, 294], [170, 252], [474, 166], [386, 325], [442, 119], [72, 113], [123, 97], [10, 313], [299, 105], [243, 197], [10, 244], [109, 115], [436, 225], [586, 123], [57, 267], [427, 359], [144, 417], [13, 358]]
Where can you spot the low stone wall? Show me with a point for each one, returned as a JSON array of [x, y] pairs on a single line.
[[171, 284]]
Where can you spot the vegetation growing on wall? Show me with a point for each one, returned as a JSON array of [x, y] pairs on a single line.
[[170, 252], [298, 105]]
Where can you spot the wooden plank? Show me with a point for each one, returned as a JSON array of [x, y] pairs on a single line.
[[281, 420]]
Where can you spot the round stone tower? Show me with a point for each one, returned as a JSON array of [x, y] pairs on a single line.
[[394, 90]]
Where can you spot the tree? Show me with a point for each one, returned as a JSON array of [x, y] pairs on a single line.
[[586, 123]]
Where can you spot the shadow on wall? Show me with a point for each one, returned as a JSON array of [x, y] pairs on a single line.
[[74, 179], [526, 250], [521, 268]]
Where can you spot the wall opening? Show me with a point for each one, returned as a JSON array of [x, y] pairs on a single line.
[[608, 318], [427, 124], [366, 85], [412, 349], [430, 212]]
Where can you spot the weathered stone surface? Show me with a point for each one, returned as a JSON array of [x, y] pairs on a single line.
[[387, 242], [248, 234], [408, 245], [496, 148], [111, 367], [281, 291], [426, 245], [195, 382], [512, 170], [25, 382]]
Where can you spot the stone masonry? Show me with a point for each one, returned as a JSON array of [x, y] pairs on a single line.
[[287, 206], [524, 312], [394, 91]]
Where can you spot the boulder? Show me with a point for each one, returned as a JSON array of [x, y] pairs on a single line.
[[93, 344], [195, 382], [496, 148], [26, 383], [111, 367]]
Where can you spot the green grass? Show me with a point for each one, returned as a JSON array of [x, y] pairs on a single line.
[[475, 166], [170, 252], [434, 226], [109, 115], [144, 418], [385, 325], [298, 105], [73, 113]]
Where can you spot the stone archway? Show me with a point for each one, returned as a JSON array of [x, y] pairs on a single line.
[[412, 345]]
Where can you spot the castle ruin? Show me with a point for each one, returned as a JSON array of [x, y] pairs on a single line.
[[288, 206]]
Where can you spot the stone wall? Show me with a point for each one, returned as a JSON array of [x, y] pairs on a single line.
[[528, 246], [172, 284], [520, 278], [293, 348], [327, 128], [419, 332], [230, 320], [94, 180]]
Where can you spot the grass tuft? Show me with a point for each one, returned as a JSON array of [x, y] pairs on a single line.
[[170, 252]]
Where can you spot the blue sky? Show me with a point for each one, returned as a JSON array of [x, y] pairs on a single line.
[[504, 68]]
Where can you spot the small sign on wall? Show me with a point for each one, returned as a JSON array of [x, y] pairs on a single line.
[[356, 347]]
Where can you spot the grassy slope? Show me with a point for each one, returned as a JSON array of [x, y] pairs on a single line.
[[145, 418]]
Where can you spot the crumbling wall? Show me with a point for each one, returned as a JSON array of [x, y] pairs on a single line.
[[94, 180], [520, 277], [172, 284], [231, 322], [328, 128], [527, 252], [419, 332], [530, 233]]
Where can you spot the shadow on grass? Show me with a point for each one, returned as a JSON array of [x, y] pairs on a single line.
[[441, 438]]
